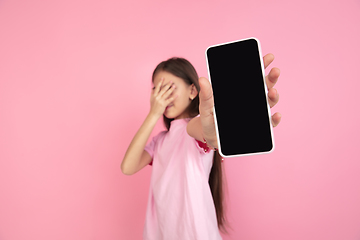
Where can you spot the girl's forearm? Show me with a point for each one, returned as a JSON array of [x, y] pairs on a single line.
[[196, 130], [131, 160]]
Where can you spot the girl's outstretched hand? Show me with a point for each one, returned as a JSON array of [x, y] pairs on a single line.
[[273, 95], [207, 102], [206, 109], [161, 97]]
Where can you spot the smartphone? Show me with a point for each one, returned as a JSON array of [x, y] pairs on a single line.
[[241, 109]]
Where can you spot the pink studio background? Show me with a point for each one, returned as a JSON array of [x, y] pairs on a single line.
[[75, 79]]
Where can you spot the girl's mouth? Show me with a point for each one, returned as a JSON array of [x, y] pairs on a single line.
[[169, 106]]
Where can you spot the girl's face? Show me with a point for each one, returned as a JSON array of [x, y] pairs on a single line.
[[185, 92]]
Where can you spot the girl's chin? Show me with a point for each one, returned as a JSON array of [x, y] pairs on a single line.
[[169, 116]]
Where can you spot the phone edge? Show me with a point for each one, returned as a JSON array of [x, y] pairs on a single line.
[[267, 101]]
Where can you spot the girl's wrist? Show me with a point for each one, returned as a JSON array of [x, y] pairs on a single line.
[[154, 116], [211, 144]]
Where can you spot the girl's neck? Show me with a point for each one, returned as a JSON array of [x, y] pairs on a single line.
[[182, 116]]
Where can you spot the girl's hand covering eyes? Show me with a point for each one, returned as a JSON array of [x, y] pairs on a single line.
[[161, 97]]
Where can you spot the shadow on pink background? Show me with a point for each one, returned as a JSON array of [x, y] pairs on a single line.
[[75, 79]]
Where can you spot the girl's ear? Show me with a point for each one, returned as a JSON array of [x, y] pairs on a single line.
[[194, 92]]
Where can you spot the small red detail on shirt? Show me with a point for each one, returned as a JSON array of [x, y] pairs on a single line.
[[203, 146]]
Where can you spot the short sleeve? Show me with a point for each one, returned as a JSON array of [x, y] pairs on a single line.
[[150, 147]]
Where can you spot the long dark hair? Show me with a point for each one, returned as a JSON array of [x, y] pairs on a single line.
[[183, 69]]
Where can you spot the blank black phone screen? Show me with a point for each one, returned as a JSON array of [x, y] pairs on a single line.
[[241, 109]]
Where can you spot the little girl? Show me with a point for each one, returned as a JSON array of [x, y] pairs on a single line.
[[185, 199]]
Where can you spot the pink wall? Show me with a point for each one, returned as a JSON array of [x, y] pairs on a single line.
[[75, 87]]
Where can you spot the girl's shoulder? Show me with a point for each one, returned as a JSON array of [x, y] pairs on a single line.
[[159, 135]]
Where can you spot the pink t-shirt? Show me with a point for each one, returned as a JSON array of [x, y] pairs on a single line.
[[180, 204]]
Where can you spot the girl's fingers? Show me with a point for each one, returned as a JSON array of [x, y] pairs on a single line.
[[273, 97], [165, 88], [158, 86], [170, 99], [169, 91], [272, 77], [268, 58], [275, 119]]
